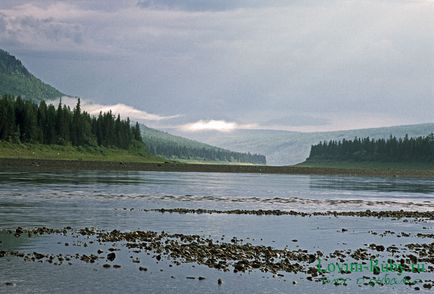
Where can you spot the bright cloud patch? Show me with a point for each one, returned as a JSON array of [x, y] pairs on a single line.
[[215, 125], [121, 109]]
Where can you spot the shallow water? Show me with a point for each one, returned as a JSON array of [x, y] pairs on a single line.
[[115, 200]]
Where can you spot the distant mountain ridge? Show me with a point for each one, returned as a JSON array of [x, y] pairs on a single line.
[[177, 147], [279, 147], [16, 80], [286, 147]]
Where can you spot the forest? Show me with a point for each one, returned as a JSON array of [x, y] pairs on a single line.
[[23, 121], [392, 149], [181, 151]]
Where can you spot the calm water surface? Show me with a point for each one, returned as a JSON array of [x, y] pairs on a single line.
[[115, 200]]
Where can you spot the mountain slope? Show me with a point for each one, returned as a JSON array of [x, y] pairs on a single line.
[[284, 147], [16, 80], [176, 147]]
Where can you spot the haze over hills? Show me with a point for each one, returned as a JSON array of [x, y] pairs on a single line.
[[285, 147], [177, 147], [279, 147], [16, 80]]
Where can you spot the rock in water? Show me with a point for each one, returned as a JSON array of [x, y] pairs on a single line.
[[111, 256]]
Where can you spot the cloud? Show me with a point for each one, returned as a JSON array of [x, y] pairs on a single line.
[[26, 24], [2, 24], [296, 120], [240, 60], [121, 109], [208, 5], [215, 125]]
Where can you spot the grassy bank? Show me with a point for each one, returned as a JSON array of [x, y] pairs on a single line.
[[82, 153], [34, 157], [90, 153]]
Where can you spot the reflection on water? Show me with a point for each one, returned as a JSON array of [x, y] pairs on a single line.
[[116, 200], [376, 184], [9, 241], [92, 195], [221, 183]]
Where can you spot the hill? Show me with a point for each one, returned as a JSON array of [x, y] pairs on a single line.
[[16, 80], [285, 147], [392, 149], [176, 147]]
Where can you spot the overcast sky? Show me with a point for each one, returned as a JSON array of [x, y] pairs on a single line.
[[226, 64]]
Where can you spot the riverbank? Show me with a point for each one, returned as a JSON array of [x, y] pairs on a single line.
[[369, 165], [26, 164], [135, 153]]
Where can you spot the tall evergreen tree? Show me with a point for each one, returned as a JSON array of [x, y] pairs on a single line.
[[27, 122]]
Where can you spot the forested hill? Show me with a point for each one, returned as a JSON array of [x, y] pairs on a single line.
[[24, 121], [175, 147], [418, 149], [16, 80], [286, 147]]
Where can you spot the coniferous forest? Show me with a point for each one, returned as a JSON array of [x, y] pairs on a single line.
[[23, 121], [418, 149], [189, 153]]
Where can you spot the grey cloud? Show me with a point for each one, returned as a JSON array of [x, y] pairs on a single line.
[[208, 5], [106, 5], [295, 120], [298, 64], [2, 24], [49, 28]]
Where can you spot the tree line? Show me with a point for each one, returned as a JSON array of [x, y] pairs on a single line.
[[27, 122], [175, 150], [418, 149]]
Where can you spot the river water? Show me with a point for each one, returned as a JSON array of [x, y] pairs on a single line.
[[120, 200]]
